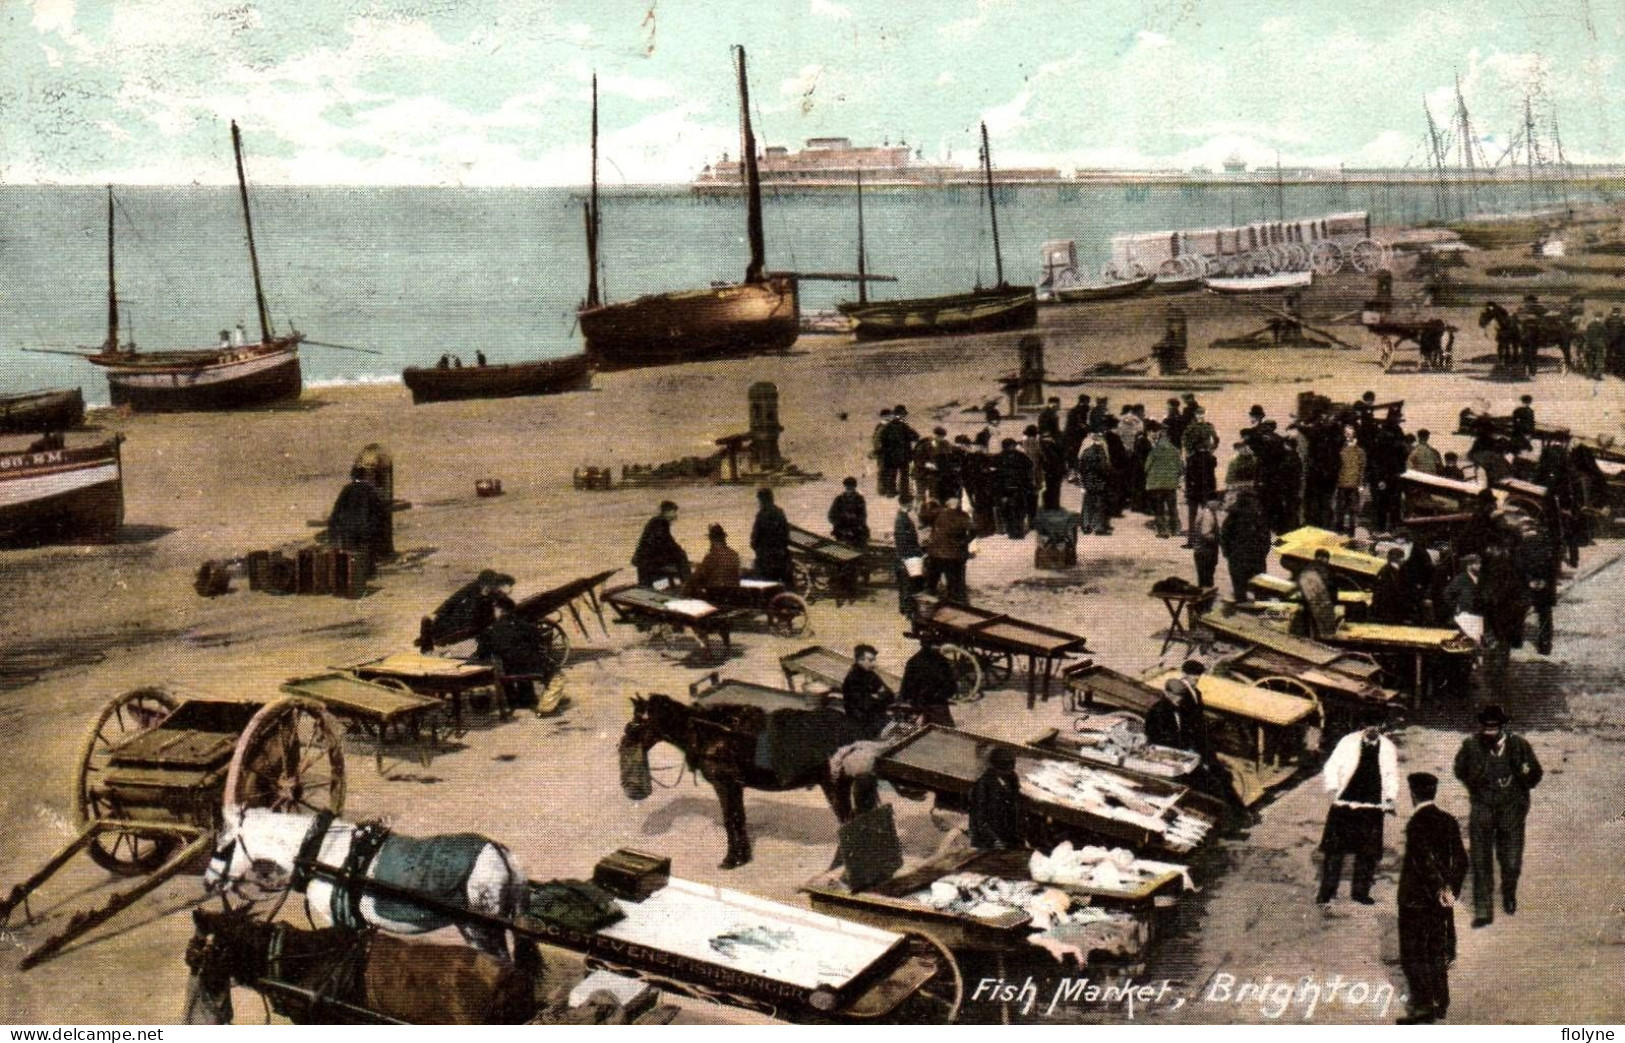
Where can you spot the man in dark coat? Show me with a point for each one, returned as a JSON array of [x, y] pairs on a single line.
[[1015, 484], [1117, 453], [1095, 472], [849, 515], [864, 696], [929, 685], [360, 522], [947, 549], [1499, 770], [1201, 481], [470, 610], [1049, 421], [896, 449], [1076, 430], [770, 540], [1430, 879], [1245, 540], [658, 555], [1535, 555], [1052, 463], [906, 541], [1393, 600], [718, 570], [995, 804]]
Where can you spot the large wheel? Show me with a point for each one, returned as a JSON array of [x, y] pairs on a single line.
[[938, 1001], [1326, 258], [997, 667], [967, 673], [807, 579], [121, 720], [787, 615], [1366, 257], [289, 758], [556, 643], [1293, 686]]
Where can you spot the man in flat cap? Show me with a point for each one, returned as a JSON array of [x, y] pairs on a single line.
[[718, 570], [1498, 769], [1430, 879], [469, 611], [995, 804], [658, 555], [849, 515], [1362, 776]]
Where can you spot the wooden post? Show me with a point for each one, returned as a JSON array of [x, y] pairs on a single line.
[[765, 427]]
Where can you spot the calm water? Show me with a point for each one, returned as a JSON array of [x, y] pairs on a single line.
[[413, 272]]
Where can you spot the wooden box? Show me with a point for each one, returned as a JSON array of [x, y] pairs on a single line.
[[632, 875]]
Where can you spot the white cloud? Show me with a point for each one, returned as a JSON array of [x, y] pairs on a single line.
[[54, 16], [1278, 24], [1152, 39], [830, 9], [963, 28], [637, 88], [1011, 116]]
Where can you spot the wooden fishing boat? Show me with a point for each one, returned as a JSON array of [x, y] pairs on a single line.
[[231, 376], [1003, 307], [1105, 291], [1176, 283], [508, 380], [50, 492], [1502, 231], [1259, 283], [760, 314], [55, 409]]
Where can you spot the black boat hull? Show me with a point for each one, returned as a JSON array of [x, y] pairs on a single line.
[[237, 384], [988, 311], [514, 380], [63, 495], [688, 326]]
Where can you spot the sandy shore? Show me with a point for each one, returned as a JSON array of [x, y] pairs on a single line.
[[84, 624]]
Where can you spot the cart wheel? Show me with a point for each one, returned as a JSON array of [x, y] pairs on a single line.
[[1366, 257], [1293, 686], [807, 580], [967, 672], [121, 720], [997, 667], [787, 615], [557, 643], [289, 758], [938, 1001]]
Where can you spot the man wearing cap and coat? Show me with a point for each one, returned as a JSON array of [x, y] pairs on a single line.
[[929, 685], [658, 554], [770, 540], [896, 447], [995, 804], [1430, 878], [1499, 770], [1362, 776], [470, 610]]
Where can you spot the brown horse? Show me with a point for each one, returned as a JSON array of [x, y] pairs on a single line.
[[724, 745], [335, 976]]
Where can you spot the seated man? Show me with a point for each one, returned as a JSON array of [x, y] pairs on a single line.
[[864, 695], [849, 515], [658, 555], [468, 612], [719, 569], [522, 652]]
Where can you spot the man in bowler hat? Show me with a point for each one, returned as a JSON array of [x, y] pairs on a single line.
[[1430, 879], [1498, 769]]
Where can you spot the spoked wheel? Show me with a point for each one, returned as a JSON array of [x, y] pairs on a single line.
[[1325, 259], [787, 615], [967, 673], [289, 758], [938, 1001], [808, 581], [556, 644], [997, 667], [1367, 257], [121, 720]]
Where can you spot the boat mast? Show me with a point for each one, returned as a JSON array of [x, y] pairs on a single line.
[[111, 344], [592, 208], [248, 223], [1438, 162], [1529, 150], [1280, 190], [863, 283], [754, 272], [1467, 144], [992, 205]]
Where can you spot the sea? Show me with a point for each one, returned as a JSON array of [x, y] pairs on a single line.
[[411, 273]]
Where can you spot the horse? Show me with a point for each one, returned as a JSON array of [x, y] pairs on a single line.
[[721, 743], [259, 852], [335, 976], [1527, 334], [1508, 338]]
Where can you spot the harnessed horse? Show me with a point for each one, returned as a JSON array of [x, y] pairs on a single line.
[[1519, 338], [271, 851], [336, 976]]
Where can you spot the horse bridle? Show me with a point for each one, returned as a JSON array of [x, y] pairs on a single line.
[[682, 765]]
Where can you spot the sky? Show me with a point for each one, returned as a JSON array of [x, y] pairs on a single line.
[[496, 92]]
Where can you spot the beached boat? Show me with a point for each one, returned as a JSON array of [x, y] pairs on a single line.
[[231, 376], [1503, 231], [1104, 291], [1176, 283], [509, 380], [56, 409], [50, 492], [760, 314], [1260, 283], [1002, 307]]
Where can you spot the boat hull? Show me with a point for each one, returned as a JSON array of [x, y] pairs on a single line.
[[1493, 234], [57, 495], [988, 311], [1243, 284], [55, 410], [201, 381], [722, 322], [1108, 292], [514, 380]]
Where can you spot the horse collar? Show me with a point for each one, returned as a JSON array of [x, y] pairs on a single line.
[[309, 850]]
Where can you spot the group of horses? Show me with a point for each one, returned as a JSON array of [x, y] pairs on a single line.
[[1519, 336]]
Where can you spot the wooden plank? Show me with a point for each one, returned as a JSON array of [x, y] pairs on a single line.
[[1236, 699], [120, 776], [1391, 635], [176, 746], [1253, 631]]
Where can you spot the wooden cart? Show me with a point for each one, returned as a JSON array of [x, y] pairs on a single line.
[[824, 565], [155, 771], [984, 645], [546, 610], [382, 710], [1352, 568], [718, 613], [736, 949], [947, 762], [445, 678]]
